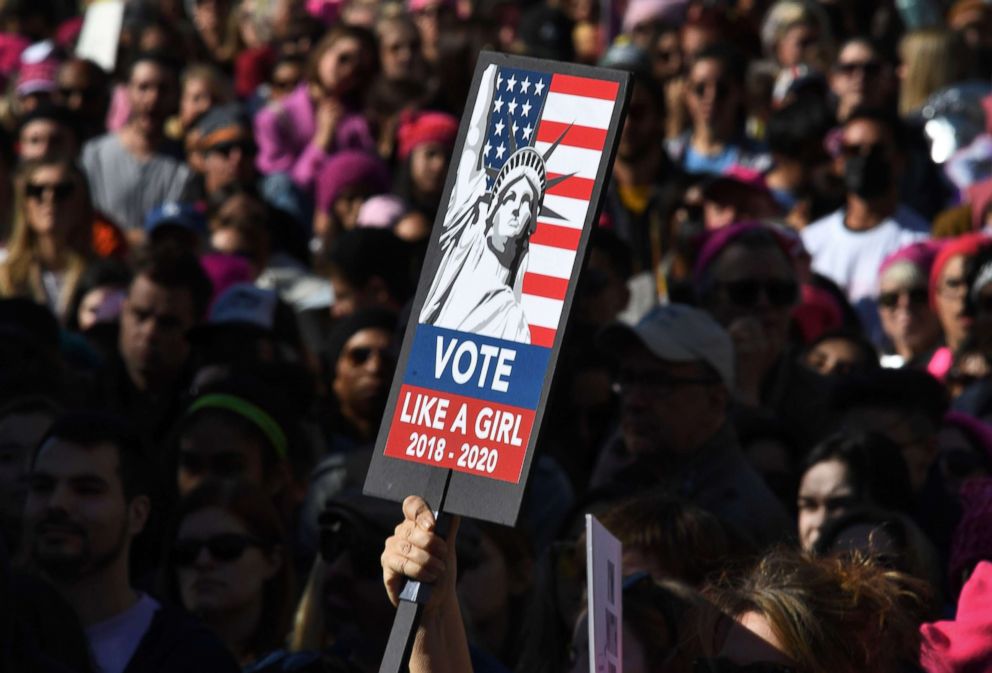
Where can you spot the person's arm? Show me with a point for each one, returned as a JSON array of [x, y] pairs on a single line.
[[416, 552]]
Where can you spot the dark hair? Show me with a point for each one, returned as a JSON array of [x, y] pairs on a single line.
[[162, 59], [176, 269], [254, 508], [914, 553], [99, 273], [733, 61], [906, 390], [89, 428], [884, 118], [616, 251], [869, 354], [251, 389], [341, 31], [792, 129], [875, 466], [359, 255], [687, 542]]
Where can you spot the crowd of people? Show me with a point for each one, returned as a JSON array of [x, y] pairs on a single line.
[[775, 385]]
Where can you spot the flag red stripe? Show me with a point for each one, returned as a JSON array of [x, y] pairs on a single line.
[[585, 137], [542, 336], [584, 86], [574, 187], [545, 286], [555, 236]]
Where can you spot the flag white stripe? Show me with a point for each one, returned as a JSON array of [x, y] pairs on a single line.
[[568, 109], [572, 211], [565, 160], [542, 311], [549, 261]]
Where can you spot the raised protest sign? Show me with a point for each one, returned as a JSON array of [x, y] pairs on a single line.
[[101, 32], [604, 577], [530, 165]]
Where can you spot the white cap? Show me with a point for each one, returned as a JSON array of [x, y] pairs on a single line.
[[678, 333]]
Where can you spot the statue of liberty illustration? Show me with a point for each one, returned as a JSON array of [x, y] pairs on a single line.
[[486, 232]]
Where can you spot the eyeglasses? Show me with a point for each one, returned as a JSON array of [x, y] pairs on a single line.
[[359, 356], [747, 293], [60, 190], [225, 547], [918, 296], [661, 384], [724, 665], [869, 68], [720, 88]]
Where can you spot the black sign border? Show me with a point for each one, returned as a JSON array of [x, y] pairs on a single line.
[[469, 495]]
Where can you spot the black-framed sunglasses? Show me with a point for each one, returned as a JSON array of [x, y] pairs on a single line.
[[724, 665], [362, 354], [224, 547], [918, 296], [225, 149], [746, 293], [60, 190]]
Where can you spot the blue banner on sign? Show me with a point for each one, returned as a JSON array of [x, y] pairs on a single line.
[[495, 370]]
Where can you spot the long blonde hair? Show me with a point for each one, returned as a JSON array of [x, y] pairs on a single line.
[[932, 59], [20, 271]]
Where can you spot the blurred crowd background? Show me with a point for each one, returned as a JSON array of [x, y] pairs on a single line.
[[775, 386]]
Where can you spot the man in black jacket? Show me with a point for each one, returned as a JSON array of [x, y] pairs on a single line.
[[87, 502]]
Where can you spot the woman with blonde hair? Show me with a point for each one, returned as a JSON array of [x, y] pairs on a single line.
[[932, 58], [50, 243], [796, 32]]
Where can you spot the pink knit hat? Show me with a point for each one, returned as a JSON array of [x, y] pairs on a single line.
[[965, 644], [349, 168], [37, 77], [642, 11]]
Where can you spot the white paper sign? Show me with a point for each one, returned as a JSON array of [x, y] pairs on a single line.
[[604, 576], [101, 33]]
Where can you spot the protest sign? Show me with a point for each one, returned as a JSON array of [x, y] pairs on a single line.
[[530, 165], [604, 577], [101, 32]]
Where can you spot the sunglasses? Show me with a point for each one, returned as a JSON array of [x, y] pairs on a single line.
[[359, 356], [746, 293], [720, 88], [225, 547], [60, 190], [225, 149], [918, 296], [869, 68]]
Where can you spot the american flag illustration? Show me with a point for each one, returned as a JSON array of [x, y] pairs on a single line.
[[535, 109]]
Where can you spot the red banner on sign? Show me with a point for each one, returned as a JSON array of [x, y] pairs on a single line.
[[460, 433]]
